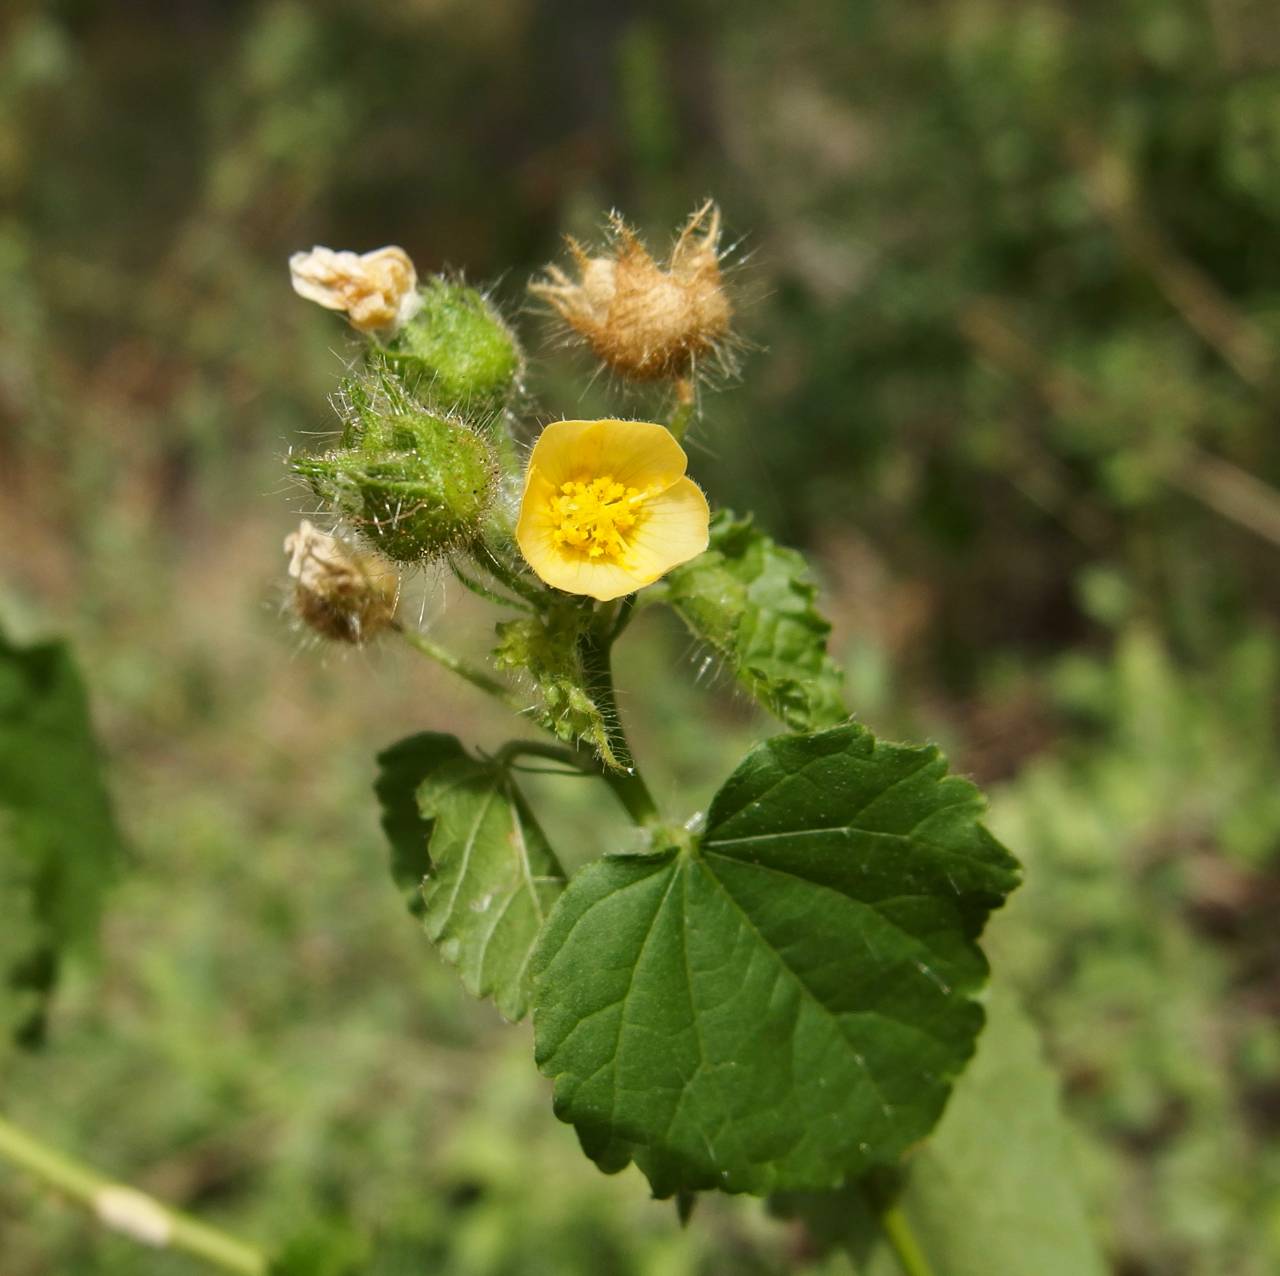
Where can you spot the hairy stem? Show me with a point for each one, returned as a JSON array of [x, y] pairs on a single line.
[[483, 591], [627, 784], [464, 669], [514, 580], [126, 1210]]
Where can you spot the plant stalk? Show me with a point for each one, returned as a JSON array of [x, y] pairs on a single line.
[[464, 669], [682, 412], [627, 784], [902, 1241], [126, 1210]]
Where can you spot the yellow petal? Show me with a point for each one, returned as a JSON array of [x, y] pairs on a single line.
[[580, 575], [673, 530], [535, 525], [637, 453]]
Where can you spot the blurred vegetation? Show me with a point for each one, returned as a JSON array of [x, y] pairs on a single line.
[[1011, 270]]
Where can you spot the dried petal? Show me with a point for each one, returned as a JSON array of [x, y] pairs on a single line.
[[378, 290]]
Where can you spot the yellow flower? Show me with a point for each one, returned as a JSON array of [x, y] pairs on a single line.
[[607, 508], [377, 290]]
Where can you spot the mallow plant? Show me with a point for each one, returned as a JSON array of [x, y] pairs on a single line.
[[775, 997], [779, 996]]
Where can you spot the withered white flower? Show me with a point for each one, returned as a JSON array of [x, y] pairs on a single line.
[[378, 290], [339, 592]]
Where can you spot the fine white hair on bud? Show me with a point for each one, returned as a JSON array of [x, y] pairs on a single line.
[[645, 321], [338, 592], [377, 290]]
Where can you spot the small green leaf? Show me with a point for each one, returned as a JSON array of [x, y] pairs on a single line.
[[751, 600], [401, 769], [59, 845], [785, 1001], [492, 880], [993, 1192]]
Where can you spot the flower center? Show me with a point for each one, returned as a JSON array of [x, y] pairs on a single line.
[[593, 516]]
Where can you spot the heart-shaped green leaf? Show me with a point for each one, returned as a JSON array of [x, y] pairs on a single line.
[[786, 1000]]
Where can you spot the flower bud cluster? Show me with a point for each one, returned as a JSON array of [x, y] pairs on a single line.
[[416, 474], [605, 507], [547, 648]]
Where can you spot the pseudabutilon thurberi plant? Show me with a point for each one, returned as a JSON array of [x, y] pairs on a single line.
[[776, 996]]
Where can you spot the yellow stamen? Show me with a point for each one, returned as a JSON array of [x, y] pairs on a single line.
[[592, 516]]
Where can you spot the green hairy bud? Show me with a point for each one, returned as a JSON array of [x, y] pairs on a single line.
[[456, 354], [414, 483]]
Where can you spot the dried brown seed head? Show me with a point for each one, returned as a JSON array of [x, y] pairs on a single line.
[[645, 321], [338, 592]]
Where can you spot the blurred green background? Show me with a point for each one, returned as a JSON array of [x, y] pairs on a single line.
[[1011, 272]]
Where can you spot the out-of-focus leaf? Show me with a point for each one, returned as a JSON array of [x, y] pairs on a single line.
[[785, 1001], [59, 845], [753, 602], [993, 1192]]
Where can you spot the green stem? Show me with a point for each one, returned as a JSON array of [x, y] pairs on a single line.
[[464, 669], [682, 413], [902, 1241], [127, 1210], [631, 790], [627, 784], [511, 578], [623, 618], [628, 787], [578, 759], [483, 591]]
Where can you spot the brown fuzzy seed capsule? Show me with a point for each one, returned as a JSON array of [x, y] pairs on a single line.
[[644, 321], [341, 594]]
